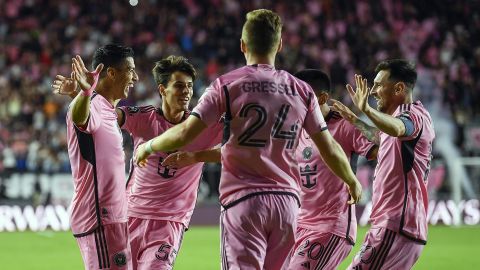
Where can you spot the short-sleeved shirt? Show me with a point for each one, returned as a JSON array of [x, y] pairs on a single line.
[[324, 195], [265, 109], [158, 192], [400, 198], [98, 169]]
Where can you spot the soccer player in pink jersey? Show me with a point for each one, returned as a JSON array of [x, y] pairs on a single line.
[[162, 199], [327, 227], [400, 199], [99, 206], [264, 110]]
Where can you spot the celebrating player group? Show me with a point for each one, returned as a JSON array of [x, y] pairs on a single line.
[[288, 187]]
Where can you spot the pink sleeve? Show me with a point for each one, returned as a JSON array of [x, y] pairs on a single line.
[[216, 133], [416, 120], [211, 106], [94, 119], [314, 121]]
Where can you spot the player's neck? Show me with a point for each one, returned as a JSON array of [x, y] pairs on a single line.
[[106, 92], [260, 59], [407, 100], [171, 115]]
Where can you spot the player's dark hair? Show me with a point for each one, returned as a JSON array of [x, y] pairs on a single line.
[[316, 78], [401, 70], [111, 55], [164, 68]]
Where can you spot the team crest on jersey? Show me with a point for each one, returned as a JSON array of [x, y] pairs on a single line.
[[307, 153], [133, 109], [308, 176], [120, 259], [165, 172]]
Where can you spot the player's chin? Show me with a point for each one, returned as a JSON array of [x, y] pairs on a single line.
[[125, 92], [184, 105]]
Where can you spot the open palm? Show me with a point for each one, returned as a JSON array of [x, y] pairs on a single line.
[[85, 78], [65, 86], [360, 96]]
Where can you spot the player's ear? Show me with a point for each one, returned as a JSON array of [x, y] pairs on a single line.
[[161, 90], [280, 45], [111, 72], [400, 88], [243, 46]]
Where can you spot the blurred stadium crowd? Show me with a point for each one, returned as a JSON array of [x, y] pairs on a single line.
[[39, 37]]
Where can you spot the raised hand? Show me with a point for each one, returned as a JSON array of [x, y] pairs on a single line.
[[65, 86], [344, 111], [371, 133], [179, 160], [85, 78], [360, 95]]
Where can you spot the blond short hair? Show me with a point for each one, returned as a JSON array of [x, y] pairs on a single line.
[[262, 31]]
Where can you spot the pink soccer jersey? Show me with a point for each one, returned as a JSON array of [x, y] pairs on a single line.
[[158, 192], [400, 198], [324, 196], [98, 169], [264, 111]]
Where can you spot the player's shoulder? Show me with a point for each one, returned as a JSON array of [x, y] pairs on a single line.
[[335, 120], [415, 108], [232, 76], [132, 110], [334, 116], [292, 79]]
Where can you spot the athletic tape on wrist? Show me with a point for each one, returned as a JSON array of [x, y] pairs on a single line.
[[94, 85], [148, 147]]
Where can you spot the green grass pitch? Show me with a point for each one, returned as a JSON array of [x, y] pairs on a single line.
[[448, 248]]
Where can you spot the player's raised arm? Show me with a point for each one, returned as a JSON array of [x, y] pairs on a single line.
[[337, 161], [172, 139], [80, 106], [65, 86], [371, 133], [386, 123]]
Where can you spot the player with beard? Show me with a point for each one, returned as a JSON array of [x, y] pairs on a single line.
[[400, 199]]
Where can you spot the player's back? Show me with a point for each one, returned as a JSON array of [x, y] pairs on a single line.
[[265, 110], [324, 195]]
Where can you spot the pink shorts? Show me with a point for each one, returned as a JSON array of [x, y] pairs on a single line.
[[386, 249], [106, 248], [318, 250], [154, 243], [259, 233]]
